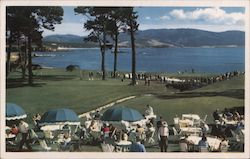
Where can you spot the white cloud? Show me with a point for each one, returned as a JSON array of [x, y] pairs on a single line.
[[178, 14], [147, 18], [209, 16], [67, 28], [165, 17]]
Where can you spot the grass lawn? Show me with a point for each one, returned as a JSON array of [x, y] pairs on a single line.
[[55, 88], [65, 89]]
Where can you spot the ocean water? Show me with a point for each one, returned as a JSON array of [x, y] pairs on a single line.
[[217, 60]]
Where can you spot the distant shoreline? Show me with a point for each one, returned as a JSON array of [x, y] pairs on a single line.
[[80, 48]]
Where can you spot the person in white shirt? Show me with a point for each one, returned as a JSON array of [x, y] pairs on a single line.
[[149, 110], [24, 130], [163, 135]]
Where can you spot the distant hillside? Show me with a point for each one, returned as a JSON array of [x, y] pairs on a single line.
[[165, 38]]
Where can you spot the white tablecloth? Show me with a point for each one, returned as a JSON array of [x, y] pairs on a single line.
[[51, 127], [190, 130], [123, 143]]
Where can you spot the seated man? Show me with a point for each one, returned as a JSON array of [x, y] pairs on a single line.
[[203, 144], [227, 114], [97, 115], [216, 115], [137, 146]]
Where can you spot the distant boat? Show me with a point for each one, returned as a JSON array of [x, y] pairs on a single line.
[[118, 51], [43, 55]]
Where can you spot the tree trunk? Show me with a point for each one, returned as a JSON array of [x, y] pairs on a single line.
[[23, 58], [30, 61], [133, 53], [103, 48], [9, 55], [115, 55]]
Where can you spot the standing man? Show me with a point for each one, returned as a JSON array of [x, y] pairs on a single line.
[[149, 110], [24, 130], [159, 123], [163, 135]]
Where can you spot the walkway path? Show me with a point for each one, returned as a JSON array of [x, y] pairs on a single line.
[[106, 106]]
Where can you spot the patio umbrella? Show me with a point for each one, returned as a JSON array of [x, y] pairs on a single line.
[[59, 116], [121, 113], [14, 112]]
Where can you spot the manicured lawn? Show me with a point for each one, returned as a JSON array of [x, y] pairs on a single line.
[[56, 88], [64, 89]]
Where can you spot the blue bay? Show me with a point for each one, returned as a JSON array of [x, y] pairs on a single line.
[[217, 60]]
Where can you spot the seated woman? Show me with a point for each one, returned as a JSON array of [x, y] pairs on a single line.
[[14, 130], [140, 132], [124, 136], [93, 126], [105, 131]]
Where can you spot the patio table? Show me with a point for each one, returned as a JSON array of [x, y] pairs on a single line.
[[124, 145]]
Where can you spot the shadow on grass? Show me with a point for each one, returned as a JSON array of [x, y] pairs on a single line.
[[39, 81], [19, 82], [55, 77], [233, 93]]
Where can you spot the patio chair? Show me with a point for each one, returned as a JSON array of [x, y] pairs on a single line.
[[224, 149], [203, 149], [183, 147], [44, 145], [48, 136], [107, 147], [175, 131]]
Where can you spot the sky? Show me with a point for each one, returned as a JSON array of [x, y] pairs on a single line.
[[216, 19]]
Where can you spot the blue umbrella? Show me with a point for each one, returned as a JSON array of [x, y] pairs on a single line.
[[61, 115], [13, 112], [121, 113]]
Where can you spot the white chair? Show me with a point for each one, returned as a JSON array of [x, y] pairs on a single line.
[[107, 147], [224, 149], [183, 147], [203, 149], [205, 118], [235, 136], [175, 131]]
